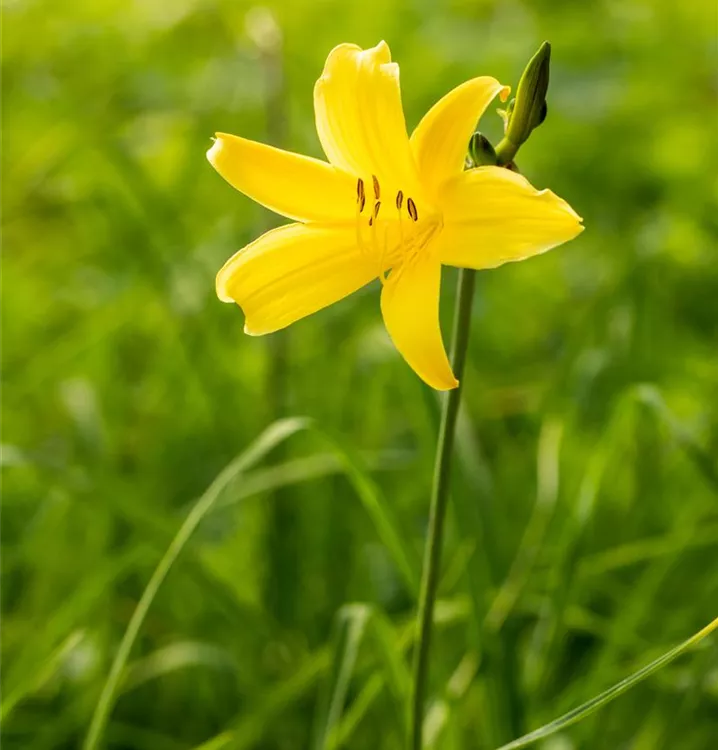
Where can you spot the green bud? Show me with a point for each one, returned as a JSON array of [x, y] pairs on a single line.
[[530, 108], [481, 152], [542, 114]]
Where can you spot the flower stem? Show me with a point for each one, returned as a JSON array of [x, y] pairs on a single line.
[[505, 152], [437, 512]]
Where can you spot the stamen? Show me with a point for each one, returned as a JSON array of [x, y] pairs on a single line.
[[377, 206], [411, 208], [377, 189], [399, 200], [361, 197]]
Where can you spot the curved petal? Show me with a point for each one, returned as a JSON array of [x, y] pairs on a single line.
[[441, 139], [410, 306], [360, 120], [291, 272], [494, 216], [295, 186]]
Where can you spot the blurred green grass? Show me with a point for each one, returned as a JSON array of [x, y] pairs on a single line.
[[583, 535]]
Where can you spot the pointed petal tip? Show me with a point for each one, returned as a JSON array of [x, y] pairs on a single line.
[[550, 197], [439, 381], [383, 48], [573, 222], [572, 231], [489, 87], [214, 151], [445, 385], [578, 219]]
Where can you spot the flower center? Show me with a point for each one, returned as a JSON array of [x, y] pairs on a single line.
[[395, 236]]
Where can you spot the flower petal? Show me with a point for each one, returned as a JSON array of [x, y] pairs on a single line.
[[441, 139], [291, 272], [360, 120], [410, 306], [295, 186], [494, 216]]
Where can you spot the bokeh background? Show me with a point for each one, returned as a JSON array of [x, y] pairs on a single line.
[[583, 530]]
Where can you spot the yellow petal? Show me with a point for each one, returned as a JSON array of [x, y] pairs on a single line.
[[295, 186], [360, 120], [291, 272], [441, 139], [493, 216], [410, 306]]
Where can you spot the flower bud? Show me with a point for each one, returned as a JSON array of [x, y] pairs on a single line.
[[530, 108], [481, 152]]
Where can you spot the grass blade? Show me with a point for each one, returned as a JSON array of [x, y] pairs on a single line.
[[271, 437], [381, 513], [47, 671], [350, 628], [586, 709]]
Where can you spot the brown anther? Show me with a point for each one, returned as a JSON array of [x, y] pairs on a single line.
[[377, 189], [361, 197], [371, 220], [377, 206], [399, 200], [411, 208]]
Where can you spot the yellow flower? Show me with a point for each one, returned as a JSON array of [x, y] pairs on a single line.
[[384, 203]]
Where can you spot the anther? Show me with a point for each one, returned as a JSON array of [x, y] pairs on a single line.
[[377, 206], [371, 220], [377, 189], [361, 197], [411, 208], [399, 200]]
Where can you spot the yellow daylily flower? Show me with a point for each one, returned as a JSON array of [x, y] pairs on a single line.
[[383, 203]]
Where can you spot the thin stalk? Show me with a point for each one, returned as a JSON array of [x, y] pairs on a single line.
[[506, 151], [437, 511]]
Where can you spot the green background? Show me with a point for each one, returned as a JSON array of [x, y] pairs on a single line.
[[583, 530]]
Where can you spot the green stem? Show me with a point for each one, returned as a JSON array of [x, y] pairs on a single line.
[[505, 152], [437, 512]]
